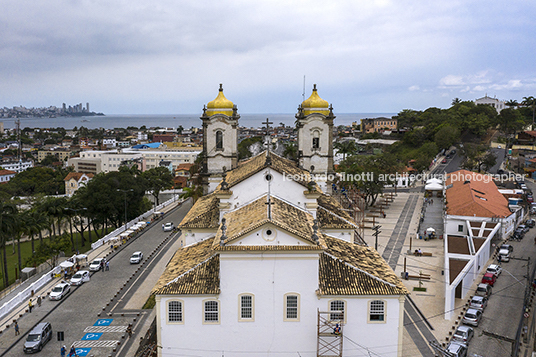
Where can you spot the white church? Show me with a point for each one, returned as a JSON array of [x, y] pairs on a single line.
[[270, 263]]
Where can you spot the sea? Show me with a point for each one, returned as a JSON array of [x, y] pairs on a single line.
[[170, 121]]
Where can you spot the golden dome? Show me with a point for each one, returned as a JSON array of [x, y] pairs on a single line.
[[220, 105], [315, 104]]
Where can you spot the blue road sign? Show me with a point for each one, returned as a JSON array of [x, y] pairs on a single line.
[[82, 351], [92, 336], [103, 322]]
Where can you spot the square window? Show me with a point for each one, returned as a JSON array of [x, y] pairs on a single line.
[[460, 228], [337, 310]]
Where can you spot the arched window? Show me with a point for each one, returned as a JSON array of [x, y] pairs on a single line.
[[211, 311], [219, 140], [377, 311], [292, 307], [337, 308], [316, 139], [175, 311]]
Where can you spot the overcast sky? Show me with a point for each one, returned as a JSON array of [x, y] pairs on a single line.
[[168, 57]]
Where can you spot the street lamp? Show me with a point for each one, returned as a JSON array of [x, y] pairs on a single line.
[[125, 192]]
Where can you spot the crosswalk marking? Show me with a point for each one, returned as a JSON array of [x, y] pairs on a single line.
[[105, 329], [89, 343]]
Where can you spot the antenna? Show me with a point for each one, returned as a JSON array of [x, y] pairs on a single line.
[[303, 93]]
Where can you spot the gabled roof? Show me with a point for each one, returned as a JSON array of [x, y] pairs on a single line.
[[185, 167], [473, 194], [344, 269], [255, 214], [77, 176], [261, 161], [7, 172], [205, 213], [331, 214], [192, 270], [351, 269]]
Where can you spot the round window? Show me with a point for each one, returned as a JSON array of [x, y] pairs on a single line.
[[268, 234]]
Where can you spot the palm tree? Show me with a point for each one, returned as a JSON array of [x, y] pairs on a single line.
[[530, 102], [456, 101], [291, 151], [194, 192], [8, 223], [511, 103]]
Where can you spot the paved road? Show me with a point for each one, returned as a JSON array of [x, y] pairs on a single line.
[[122, 291]]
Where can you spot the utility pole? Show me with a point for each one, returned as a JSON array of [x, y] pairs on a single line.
[[440, 351], [377, 231]]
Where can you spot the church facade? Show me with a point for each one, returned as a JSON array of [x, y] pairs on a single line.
[[270, 263]]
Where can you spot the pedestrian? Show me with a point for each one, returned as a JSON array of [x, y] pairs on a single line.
[[63, 351], [17, 332], [432, 201], [72, 352], [107, 265], [102, 265], [129, 330], [39, 300], [30, 305], [162, 226]]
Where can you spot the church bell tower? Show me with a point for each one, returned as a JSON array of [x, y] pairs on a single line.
[[315, 139], [220, 140]]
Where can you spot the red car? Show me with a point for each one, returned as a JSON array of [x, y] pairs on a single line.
[[489, 278]]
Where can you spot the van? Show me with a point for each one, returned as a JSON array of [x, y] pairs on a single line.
[[38, 337], [483, 290]]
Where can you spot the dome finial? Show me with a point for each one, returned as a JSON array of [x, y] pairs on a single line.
[[314, 87], [221, 87]]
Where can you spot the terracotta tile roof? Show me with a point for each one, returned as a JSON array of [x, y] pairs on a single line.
[[76, 176], [194, 269], [473, 194], [205, 213], [284, 166], [332, 215], [7, 172], [344, 269], [351, 269], [252, 216], [185, 167]]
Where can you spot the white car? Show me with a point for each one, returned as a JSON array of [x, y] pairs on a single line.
[[80, 277], [95, 264], [504, 255], [494, 269], [60, 291], [168, 227], [136, 258]]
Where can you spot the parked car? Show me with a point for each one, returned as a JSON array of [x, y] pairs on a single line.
[[530, 223], [495, 269], [168, 227], [444, 161], [508, 247], [463, 334], [457, 349], [517, 236], [136, 258], [530, 199], [520, 231], [60, 290], [472, 317], [478, 302], [80, 277], [483, 290], [504, 255], [38, 337], [96, 264], [489, 278], [523, 227]]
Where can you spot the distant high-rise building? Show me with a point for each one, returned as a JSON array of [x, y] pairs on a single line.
[[87, 107]]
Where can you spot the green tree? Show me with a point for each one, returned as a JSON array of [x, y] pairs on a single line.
[[50, 251], [346, 147], [446, 137], [291, 151], [244, 146], [156, 180], [8, 226]]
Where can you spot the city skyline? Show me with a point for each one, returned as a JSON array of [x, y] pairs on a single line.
[[166, 57]]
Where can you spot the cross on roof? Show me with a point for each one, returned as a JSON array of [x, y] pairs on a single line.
[[269, 203], [267, 122]]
